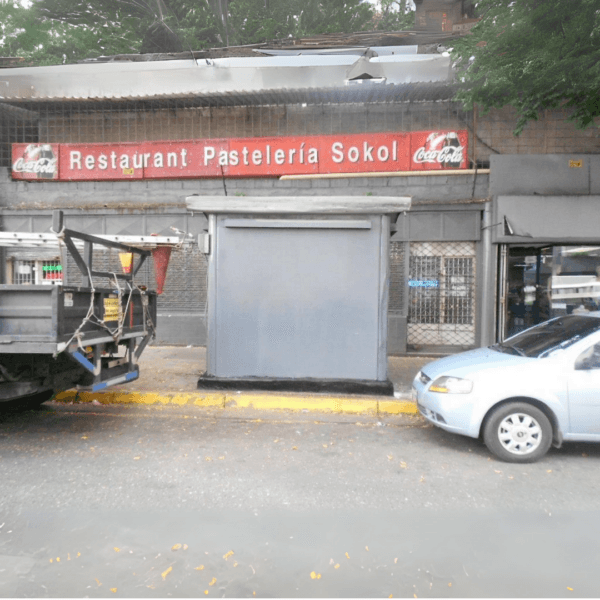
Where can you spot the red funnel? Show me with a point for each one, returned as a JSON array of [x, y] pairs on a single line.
[[161, 255]]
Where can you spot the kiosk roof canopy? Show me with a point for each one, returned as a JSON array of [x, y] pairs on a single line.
[[294, 205]]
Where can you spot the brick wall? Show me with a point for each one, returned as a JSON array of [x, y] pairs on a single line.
[[150, 195], [553, 133]]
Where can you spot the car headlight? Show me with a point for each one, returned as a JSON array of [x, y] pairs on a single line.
[[451, 385]]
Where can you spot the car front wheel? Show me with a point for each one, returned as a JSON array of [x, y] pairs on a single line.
[[518, 432]]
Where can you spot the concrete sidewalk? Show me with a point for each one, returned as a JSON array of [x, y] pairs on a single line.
[[169, 374]]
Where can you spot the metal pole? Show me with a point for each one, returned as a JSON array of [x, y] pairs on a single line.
[[488, 300], [502, 308]]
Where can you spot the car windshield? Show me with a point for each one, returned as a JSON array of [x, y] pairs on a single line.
[[556, 333]]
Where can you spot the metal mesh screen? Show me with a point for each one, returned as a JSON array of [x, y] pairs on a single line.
[[441, 294], [397, 278], [187, 118]]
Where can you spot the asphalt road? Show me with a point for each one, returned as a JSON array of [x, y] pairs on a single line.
[[175, 502]]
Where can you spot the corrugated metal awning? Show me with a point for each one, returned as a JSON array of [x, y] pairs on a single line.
[[358, 93], [222, 79]]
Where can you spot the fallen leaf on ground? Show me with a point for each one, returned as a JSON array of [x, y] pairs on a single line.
[[199, 568], [113, 590], [117, 549], [176, 547], [337, 566], [213, 581], [165, 573], [99, 584], [347, 555], [226, 556]]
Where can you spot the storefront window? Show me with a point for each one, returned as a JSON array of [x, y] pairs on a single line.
[[542, 283]]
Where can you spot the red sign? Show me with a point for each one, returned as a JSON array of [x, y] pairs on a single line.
[[35, 161], [243, 157]]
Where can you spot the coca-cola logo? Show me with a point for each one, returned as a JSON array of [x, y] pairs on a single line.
[[442, 148], [38, 160], [41, 165], [445, 155]]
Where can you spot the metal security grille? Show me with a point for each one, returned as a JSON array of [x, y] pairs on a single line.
[[34, 272], [397, 277], [51, 272], [441, 294], [23, 272]]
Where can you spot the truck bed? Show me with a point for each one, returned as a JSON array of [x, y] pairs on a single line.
[[40, 319]]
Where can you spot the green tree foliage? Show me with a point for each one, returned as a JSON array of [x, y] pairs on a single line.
[[533, 55], [138, 25], [396, 15], [24, 34], [65, 31]]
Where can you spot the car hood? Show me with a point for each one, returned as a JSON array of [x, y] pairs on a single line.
[[466, 363]]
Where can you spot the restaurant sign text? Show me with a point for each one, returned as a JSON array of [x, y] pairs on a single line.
[[242, 157]]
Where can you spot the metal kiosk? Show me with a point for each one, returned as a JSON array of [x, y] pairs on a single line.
[[297, 292]]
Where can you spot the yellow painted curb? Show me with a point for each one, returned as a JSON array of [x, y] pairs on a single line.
[[396, 407], [258, 401], [300, 402], [216, 400]]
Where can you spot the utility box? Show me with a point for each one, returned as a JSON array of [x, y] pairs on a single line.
[[298, 292]]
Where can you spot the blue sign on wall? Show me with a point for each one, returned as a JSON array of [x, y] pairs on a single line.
[[430, 283]]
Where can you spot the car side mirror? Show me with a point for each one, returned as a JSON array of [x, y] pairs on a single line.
[[588, 360]]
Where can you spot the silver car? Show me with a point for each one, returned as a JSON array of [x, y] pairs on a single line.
[[537, 388]]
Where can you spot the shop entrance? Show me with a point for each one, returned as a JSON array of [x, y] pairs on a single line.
[[539, 283]]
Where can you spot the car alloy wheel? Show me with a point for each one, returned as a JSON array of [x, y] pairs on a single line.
[[518, 432]]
